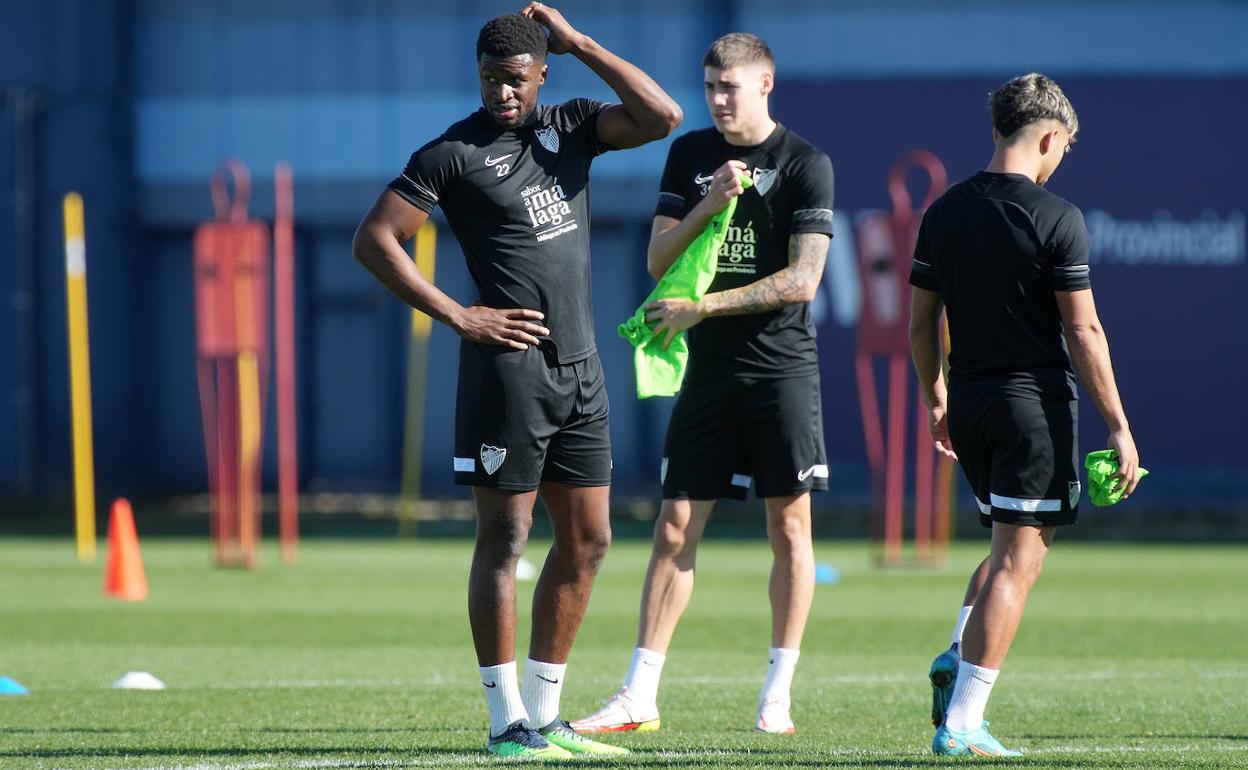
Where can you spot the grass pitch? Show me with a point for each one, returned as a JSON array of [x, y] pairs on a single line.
[[360, 656]]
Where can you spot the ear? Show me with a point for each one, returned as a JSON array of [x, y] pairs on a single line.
[[768, 83], [542, 79], [1048, 141]]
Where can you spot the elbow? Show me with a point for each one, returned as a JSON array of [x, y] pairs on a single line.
[[365, 244], [810, 291], [922, 330], [1084, 333], [653, 267], [664, 121], [357, 245], [655, 264], [672, 118]]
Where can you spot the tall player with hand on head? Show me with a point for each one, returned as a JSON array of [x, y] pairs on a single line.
[[531, 416], [749, 412], [1007, 261]]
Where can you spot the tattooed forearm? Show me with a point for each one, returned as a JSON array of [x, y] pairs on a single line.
[[795, 283]]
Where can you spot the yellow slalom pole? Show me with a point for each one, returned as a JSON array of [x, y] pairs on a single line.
[[80, 376], [249, 454], [249, 426], [417, 374]]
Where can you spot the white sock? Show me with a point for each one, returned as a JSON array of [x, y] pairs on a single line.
[[643, 676], [970, 696], [502, 694], [543, 682], [963, 616], [781, 663]]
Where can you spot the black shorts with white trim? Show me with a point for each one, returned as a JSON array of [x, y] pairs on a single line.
[[731, 433], [1020, 455], [521, 418]]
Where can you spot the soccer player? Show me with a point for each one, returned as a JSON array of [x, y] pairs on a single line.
[[749, 412], [531, 414], [1008, 262]]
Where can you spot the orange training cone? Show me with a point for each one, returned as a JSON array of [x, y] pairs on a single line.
[[124, 577]]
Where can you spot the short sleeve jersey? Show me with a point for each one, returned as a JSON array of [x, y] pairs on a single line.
[[995, 248], [518, 203], [792, 194]]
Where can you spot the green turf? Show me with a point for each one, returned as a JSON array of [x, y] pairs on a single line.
[[1130, 656]]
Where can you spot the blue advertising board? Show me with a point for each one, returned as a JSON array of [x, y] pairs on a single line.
[[1159, 173]]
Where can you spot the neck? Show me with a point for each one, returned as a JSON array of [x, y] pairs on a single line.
[[1008, 159], [754, 134]]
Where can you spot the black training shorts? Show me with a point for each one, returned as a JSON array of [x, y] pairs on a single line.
[[1020, 455], [521, 419], [730, 433]]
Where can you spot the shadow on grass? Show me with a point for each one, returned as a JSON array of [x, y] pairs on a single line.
[[354, 754], [1189, 737], [1091, 737], [400, 757]]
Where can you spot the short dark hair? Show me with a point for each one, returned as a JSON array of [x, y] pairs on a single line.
[[1026, 99], [511, 35], [737, 49]]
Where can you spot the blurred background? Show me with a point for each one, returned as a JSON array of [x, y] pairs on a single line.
[[134, 103]]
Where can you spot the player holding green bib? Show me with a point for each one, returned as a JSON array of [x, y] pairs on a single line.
[[1008, 263], [749, 412]]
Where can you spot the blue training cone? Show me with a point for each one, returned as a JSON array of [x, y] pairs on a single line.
[[826, 574], [10, 686]]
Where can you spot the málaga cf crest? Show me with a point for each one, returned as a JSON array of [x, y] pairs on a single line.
[[492, 457], [549, 138]]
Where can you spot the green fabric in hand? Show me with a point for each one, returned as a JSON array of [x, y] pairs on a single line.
[[1101, 466], [660, 371]]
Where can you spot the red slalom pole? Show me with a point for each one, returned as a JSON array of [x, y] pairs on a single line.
[[895, 471], [284, 340]]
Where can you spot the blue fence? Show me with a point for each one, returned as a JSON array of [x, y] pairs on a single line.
[[133, 104]]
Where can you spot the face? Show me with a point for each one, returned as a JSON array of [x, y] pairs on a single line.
[[737, 96], [509, 87]]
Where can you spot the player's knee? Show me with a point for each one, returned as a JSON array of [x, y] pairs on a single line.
[[670, 539], [1022, 572], [789, 533], [592, 547], [1031, 570], [504, 542]]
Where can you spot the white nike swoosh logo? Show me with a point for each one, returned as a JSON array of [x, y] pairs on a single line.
[[699, 179], [494, 161], [803, 475]]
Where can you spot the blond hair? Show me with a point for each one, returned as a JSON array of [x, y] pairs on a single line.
[[1026, 99]]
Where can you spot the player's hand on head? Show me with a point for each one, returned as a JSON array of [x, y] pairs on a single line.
[[725, 185], [562, 36], [1128, 474], [514, 327]]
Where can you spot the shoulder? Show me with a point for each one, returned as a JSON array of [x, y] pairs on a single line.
[[957, 197], [571, 113], [697, 138], [801, 158], [690, 148], [457, 141], [793, 144], [1051, 210]]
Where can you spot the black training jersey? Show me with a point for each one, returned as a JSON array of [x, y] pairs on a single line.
[[792, 194], [995, 248], [518, 203]]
